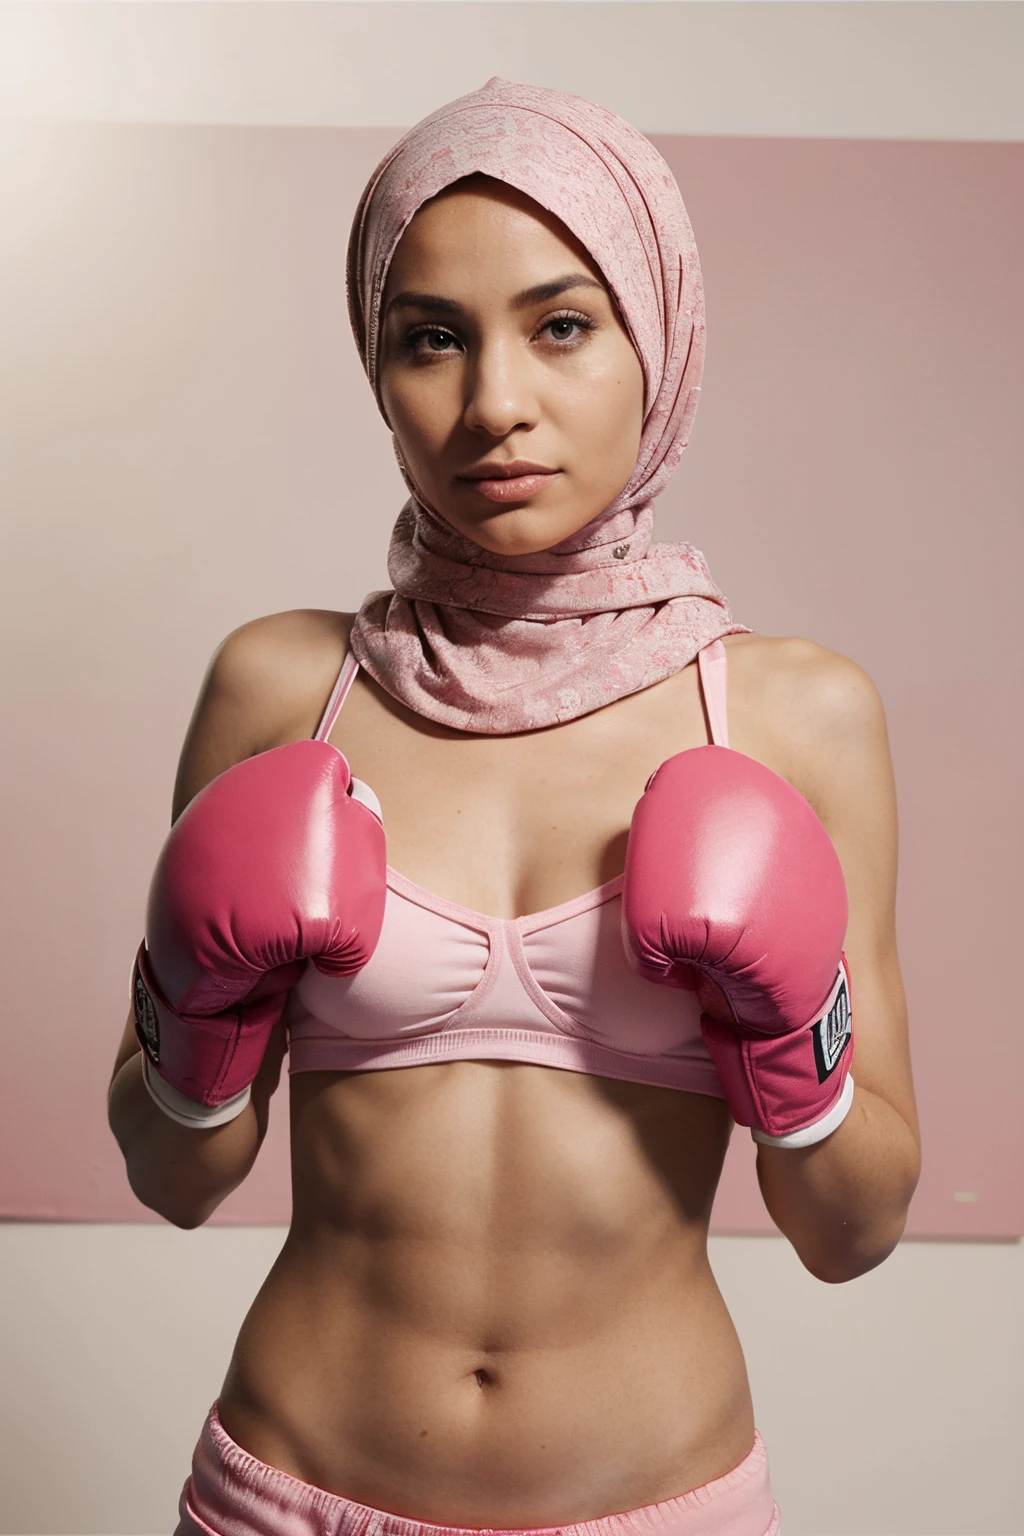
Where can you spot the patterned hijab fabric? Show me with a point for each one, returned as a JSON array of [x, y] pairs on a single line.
[[496, 644]]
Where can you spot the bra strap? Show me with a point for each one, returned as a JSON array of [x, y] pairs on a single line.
[[346, 677], [712, 664]]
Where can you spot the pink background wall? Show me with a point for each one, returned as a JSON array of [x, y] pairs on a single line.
[[192, 443]]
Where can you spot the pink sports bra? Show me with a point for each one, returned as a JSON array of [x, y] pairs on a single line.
[[553, 988]]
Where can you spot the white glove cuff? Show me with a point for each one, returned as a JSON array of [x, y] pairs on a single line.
[[365, 795], [816, 1132], [178, 1106]]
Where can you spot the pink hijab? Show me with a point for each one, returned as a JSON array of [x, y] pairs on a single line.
[[494, 643]]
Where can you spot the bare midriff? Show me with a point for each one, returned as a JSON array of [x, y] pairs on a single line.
[[494, 1305]]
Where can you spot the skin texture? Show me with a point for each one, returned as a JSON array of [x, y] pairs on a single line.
[[494, 1306]]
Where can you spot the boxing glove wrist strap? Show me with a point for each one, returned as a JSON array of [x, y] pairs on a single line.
[[791, 1089], [186, 1111], [812, 1133]]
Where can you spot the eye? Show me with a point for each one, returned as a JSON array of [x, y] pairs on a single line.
[[433, 333], [581, 323]]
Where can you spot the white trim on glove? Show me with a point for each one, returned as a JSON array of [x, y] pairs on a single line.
[[186, 1111], [816, 1132], [365, 795]]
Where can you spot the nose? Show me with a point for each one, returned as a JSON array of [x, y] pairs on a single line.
[[500, 392]]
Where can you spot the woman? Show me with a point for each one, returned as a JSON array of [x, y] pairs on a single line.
[[494, 1306]]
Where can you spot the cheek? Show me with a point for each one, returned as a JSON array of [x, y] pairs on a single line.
[[415, 414], [603, 412]]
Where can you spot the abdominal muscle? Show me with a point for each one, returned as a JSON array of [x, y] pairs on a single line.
[[494, 1305]]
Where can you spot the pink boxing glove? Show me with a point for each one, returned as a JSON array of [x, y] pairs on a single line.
[[733, 888], [274, 863]]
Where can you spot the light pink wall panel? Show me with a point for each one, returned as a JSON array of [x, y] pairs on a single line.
[[190, 442]]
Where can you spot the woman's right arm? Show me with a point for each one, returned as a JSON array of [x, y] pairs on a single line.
[[248, 702]]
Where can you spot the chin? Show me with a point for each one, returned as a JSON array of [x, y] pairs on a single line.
[[527, 544], [517, 531]]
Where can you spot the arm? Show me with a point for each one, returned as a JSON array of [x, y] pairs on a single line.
[[251, 699], [181, 1173], [843, 1202]]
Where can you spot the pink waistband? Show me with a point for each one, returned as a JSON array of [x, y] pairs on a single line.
[[231, 1493]]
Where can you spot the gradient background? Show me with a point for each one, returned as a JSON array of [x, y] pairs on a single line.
[[190, 441]]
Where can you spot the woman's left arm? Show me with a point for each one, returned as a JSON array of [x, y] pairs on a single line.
[[843, 1202]]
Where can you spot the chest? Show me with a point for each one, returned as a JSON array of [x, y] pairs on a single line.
[[510, 825]]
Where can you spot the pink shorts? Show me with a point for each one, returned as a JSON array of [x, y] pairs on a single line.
[[231, 1493]]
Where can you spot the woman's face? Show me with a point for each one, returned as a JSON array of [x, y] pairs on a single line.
[[500, 342]]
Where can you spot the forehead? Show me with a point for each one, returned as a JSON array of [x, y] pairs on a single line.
[[484, 229]]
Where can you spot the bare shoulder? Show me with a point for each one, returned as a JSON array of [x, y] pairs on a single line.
[[802, 687], [818, 713], [278, 666], [266, 683]]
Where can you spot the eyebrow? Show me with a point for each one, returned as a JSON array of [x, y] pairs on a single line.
[[538, 294]]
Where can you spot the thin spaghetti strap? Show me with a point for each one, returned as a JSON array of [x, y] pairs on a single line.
[[346, 677], [712, 664]]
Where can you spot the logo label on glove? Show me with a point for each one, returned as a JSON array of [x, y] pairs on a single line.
[[146, 1024], [833, 1030]]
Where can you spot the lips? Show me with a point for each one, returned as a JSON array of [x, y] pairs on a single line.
[[512, 469], [516, 480]]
